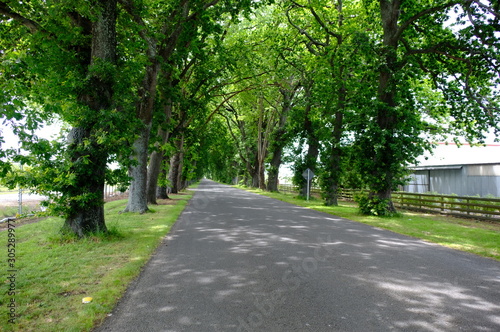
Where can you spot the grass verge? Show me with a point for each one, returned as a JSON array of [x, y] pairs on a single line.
[[53, 273], [10, 211], [477, 237]]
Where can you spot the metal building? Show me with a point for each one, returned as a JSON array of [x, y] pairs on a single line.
[[464, 171], [462, 180]]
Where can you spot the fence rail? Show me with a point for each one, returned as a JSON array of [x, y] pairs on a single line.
[[460, 206], [111, 191]]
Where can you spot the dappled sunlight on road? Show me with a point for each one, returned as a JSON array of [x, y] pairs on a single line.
[[433, 301], [271, 266]]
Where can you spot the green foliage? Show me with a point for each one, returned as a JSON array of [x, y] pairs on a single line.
[[218, 153], [233, 70], [118, 177], [372, 205]]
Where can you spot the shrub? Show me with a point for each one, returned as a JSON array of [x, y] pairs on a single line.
[[372, 205]]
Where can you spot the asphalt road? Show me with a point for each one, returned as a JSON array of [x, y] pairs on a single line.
[[237, 261]]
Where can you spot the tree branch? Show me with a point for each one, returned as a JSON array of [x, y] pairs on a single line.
[[323, 25], [304, 32], [30, 24], [205, 7], [417, 16], [240, 152], [237, 81]]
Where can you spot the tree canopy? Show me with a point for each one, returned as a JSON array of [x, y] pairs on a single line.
[[174, 90]]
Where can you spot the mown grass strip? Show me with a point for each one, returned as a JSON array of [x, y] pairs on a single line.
[[55, 272], [477, 237]]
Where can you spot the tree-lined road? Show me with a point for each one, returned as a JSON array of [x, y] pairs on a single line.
[[237, 261]]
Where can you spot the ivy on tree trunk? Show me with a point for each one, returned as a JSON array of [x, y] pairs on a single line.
[[86, 196]]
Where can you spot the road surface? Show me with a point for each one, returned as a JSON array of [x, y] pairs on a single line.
[[237, 261]]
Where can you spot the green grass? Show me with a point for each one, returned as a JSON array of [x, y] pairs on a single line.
[[54, 272], [477, 237], [11, 211]]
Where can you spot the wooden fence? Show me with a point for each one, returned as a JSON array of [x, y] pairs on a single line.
[[111, 191], [459, 206]]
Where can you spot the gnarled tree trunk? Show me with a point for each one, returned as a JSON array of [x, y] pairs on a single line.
[[87, 212], [386, 117]]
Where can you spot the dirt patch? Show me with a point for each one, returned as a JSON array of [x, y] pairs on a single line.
[[166, 201], [116, 197], [20, 222]]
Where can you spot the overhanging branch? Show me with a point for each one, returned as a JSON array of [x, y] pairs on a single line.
[[30, 24]]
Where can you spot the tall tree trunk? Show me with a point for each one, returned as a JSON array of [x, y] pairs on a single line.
[[278, 140], [87, 212], [155, 160], [386, 118], [88, 216], [334, 163], [253, 171], [176, 167], [274, 167], [147, 92], [173, 174], [262, 145], [162, 190], [255, 180], [137, 201], [154, 170], [334, 167]]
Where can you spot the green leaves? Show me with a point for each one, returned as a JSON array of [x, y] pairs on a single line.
[[370, 98]]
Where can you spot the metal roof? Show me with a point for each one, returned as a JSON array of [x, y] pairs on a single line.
[[452, 155]]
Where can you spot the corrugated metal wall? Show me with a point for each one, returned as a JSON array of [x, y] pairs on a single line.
[[469, 180]]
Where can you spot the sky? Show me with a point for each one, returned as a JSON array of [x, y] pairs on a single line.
[[11, 140], [451, 154], [444, 153]]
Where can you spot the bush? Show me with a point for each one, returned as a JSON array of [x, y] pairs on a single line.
[[372, 205]]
